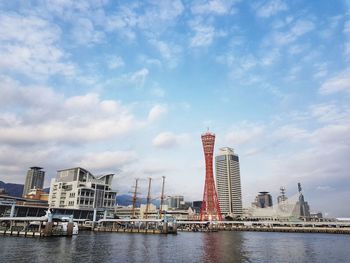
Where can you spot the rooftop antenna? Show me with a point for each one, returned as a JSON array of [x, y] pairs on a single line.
[[299, 187]]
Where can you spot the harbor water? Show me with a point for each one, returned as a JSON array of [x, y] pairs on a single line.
[[184, 247]]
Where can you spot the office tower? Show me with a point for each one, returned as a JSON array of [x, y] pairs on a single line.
[[175, 202], [263, 200], [228, 182], [210, 207], [34, 180]]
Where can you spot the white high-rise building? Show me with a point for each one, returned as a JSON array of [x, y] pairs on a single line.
[[228, 182]]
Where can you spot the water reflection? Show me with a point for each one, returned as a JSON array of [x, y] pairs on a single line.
[[184, 247], [224, 247]]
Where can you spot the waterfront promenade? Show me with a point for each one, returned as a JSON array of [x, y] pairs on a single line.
[[17, 226]]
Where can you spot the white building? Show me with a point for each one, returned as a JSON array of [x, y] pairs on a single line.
[[77, 188], [175, 202], [153, 213], [126, 212], [228, 182]]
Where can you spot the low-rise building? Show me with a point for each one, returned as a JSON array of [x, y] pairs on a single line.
[[126, 212], [182, 214], [77, 188], [37, 194], [151, 213]]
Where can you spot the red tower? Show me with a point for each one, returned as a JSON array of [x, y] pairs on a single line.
[[210, 206]]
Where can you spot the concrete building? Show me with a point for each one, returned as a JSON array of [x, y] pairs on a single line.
[[126, 211], [34, 179], [263, 200], [175, 202], [228, 182], [197, 205], [139, 212], [153, 213], [37, 194], [77, 188]]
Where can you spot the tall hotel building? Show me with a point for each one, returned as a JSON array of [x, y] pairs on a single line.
[[228, 182], [34, 179]]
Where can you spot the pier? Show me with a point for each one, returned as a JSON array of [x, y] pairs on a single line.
[[35, 226], [145, 226], [265, 226]]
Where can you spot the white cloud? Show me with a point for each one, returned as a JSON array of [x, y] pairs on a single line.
[[204, 35], [346, 29], [339, 83], [52, 117], [169, 52], [297, 49], [291, 133], [157, 112], [217, 7], [154, 168], [160, 14], [330, 113], [158, 91], [108, 160], [347, 49], [116, 62], [139, 77], [84, 32], [321, 70], [290, 35], [269, 8], [244, 133], [347, 42], [28, 45], [167, 140]]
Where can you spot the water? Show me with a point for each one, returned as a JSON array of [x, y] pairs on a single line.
[[184, 247]]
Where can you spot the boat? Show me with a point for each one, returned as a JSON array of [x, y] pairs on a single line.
[[60, 225]]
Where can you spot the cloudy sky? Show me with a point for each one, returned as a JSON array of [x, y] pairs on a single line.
[[128, 87]]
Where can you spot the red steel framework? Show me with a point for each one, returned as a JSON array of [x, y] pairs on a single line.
[[210, 210]]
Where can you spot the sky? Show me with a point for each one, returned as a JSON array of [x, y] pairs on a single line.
[[128, 87]]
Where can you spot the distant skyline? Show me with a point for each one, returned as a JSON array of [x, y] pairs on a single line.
[[128, 87]]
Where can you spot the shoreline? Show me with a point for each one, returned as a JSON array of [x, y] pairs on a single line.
[[325, 230]]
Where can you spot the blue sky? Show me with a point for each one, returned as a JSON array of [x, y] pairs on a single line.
[[129, 86]]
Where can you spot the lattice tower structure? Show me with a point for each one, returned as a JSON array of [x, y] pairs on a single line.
[[210, 210]]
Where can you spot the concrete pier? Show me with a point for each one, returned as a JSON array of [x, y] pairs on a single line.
[[334, 227], [34, 227], [144, 226]]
